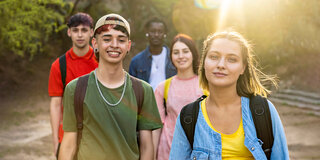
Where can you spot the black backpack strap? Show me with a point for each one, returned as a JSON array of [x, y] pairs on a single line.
[[63, 69], [138, 92], [188, 118], [262, 120], [79, 95]]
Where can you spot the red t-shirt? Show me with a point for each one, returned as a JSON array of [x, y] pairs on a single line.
[[76, 67]]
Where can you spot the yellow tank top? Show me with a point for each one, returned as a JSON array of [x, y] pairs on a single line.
[[232, 144]]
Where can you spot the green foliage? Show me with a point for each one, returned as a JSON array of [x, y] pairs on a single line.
[[27, 25]]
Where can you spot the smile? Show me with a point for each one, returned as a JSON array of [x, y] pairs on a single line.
[[219, 74], [113, 53]]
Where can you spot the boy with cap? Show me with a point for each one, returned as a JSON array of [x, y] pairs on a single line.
[[110, 111], [77, 61]]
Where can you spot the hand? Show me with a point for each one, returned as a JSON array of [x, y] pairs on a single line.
[[55, 146]]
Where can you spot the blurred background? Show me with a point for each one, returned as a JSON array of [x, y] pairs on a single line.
[[285, 35]]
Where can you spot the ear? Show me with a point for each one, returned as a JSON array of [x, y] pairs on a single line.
[[91, 32], [94, 42], [69, 32], [129, 45]]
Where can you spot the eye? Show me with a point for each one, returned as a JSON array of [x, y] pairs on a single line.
[[175, 52], [122, 40], [232, 59], [107, 39], [186, 51], [84, 30], [214, 57]]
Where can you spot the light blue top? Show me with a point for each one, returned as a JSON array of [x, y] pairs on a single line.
[[207, 142]]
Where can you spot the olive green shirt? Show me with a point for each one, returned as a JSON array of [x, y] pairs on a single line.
[[109, 132]]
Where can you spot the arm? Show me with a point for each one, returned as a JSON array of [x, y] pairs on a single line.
[[280, 147], [146, 147], [180, 148], [159, 99], [55, 116], [155, 139], [68, 146]]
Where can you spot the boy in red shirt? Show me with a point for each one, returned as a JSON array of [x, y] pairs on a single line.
[[77, 61]]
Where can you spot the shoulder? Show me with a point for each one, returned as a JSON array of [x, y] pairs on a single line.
[[160, 88], [71, 86], [55, 63], [139, 55]]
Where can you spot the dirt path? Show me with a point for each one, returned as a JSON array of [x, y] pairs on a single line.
[[26, 135]]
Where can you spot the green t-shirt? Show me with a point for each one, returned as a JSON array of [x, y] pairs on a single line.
[[110, 132]]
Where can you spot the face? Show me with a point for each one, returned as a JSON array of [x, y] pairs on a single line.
[[181, 56], [113, 45], [80, 35], [156, 33], [223, 63]]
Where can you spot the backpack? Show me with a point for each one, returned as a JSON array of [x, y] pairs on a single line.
[[260, 114], [63, 69], [166, 91], [80, 93]]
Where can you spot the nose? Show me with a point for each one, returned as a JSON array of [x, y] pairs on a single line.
[[114, 43], [221, 63], [80, 33]]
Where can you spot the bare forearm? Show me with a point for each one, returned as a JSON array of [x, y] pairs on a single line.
[[68, 146], [155, 138], [55, 116], [146, 145]]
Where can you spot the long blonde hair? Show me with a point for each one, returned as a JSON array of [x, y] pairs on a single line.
[[252, 81]]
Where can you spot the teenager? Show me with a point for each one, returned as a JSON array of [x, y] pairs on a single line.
[[77, 61], [182, 89], [224, 127], [153, 64], [110, 109]]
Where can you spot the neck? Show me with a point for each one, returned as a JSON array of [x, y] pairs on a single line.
[[223, 97], [185, 74], [81, 51], [155, 50], [111, 76]]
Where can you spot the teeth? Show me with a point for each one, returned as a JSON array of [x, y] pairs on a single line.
[[113, 53]]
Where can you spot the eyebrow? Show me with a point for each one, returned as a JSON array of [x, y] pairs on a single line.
[[109, 35], [228, 54], [182, 49]]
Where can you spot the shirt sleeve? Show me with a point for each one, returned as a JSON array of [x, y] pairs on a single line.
[[180, 148], [149, 118], [69, 117], [55, 86], [159, 92], [280, 147]]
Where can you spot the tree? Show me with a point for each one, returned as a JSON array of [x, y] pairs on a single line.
[[27, 25]]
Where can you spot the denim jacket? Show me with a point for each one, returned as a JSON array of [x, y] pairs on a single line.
[[140, 65], [207, 142]]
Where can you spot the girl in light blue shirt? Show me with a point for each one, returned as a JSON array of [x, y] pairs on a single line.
[[225, 128]]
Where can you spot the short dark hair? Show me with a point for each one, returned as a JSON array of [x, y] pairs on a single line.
[[155, 20], [187, 40], [80, 18]]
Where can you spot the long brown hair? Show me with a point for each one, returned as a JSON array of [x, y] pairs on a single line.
[[252, 81]]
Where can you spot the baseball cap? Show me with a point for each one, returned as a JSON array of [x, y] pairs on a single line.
[[103, 20]]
